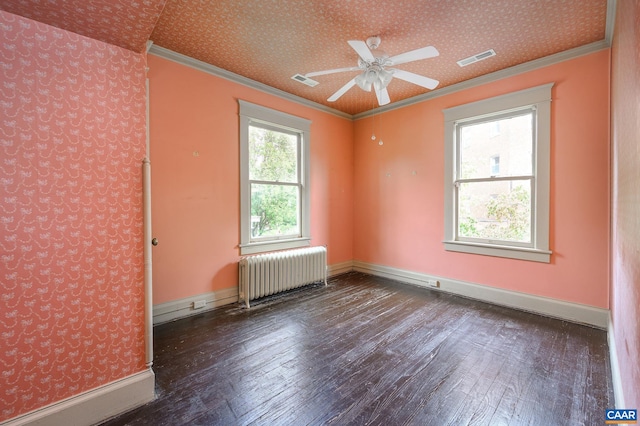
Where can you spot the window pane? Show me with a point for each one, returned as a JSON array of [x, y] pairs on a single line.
[[274, 210], [273, 156], [508, 139], [496, 210]]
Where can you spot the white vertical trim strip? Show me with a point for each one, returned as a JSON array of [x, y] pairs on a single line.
[[148, 287], [616, 378]]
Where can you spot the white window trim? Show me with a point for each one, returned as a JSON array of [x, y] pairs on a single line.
[[249, 112], [540, 98]]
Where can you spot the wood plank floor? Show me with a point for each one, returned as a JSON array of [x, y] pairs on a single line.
[[367, 350]]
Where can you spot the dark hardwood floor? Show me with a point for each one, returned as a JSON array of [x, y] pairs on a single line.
[[367, 350]]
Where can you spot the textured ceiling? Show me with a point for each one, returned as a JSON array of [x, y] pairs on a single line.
[[124, 23], [270, 41]]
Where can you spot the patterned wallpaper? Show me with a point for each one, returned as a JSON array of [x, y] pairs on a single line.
[[72, 137], [625, 194], [123, 23]]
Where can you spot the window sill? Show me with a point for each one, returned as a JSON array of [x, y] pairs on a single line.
[[265, 246], [520, 253]]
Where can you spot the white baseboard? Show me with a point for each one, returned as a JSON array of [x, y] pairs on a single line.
[[574, 312], [340, 268], [616, 378], [94, 406], [181, 308]]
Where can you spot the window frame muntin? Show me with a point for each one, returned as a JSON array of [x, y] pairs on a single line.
[[540, 97], [271, 119]]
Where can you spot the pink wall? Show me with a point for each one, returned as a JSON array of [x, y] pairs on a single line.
[[196, 203], [625, 253], [399, 207], [72, 137]]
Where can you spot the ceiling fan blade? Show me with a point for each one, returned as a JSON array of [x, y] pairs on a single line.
[[420, 80], [313, 74], [362, 50], [383, 96], [414, 55], [342, 90]]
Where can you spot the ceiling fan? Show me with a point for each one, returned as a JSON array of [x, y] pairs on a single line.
[[373, 63]]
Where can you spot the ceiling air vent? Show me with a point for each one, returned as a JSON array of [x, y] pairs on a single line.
[[475, 58], [305, 80]]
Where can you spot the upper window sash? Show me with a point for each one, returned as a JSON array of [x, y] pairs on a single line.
[[299, 152]]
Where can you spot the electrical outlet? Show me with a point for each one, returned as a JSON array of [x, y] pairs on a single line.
[[199, 304], [433, 283]]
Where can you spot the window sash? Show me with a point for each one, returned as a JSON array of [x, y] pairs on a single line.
[[494, 118], [297, 234], [299, 148], [458, 181], [458, 237]]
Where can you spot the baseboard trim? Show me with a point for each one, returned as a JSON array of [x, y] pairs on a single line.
[[616, 378], [340, 268], [182, 308], [574, 312], [96, 405]]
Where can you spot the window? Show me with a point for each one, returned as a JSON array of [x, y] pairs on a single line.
[[501, 210], [495, 165], [274, 181]]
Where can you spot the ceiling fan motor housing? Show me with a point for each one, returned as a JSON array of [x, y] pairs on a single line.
[[373, 42], [373, 62]]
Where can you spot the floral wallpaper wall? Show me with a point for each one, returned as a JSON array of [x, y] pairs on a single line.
[[72, 137], [625, 195]]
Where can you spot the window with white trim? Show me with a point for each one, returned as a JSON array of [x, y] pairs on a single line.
[[274, 180], [501, 210]]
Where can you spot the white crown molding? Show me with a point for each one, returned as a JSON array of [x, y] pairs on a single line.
[[96, 405], [490, 78], [464, 85], [228, 75], [574, 312], [611, 21], [616, 378]]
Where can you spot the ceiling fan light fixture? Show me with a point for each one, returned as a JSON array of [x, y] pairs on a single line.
[[385, 77], [363, 82]]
